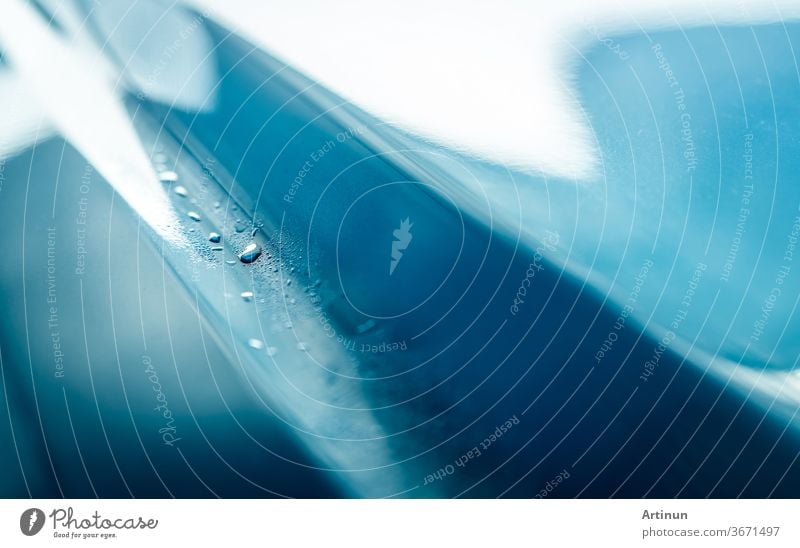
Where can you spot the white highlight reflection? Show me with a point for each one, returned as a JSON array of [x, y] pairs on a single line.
[[491, 79]]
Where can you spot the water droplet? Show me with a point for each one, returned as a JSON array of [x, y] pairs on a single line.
[[193, 215], [258, 344], [271, 351], [216, 205], [214, 237], [247, 296], [255, 231], [250, 253], [366, 326], [230, 261], [219, 248], [180, 190], [168, 176], [302, 346], [240, 226], [288, 282]]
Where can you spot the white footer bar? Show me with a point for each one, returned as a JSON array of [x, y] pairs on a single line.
[[402, 523]]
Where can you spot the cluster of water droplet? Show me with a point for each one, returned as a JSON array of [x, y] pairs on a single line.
[[248, 255]]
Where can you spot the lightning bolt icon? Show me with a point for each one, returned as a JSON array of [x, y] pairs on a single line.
[[402, 237], [33, 519]]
